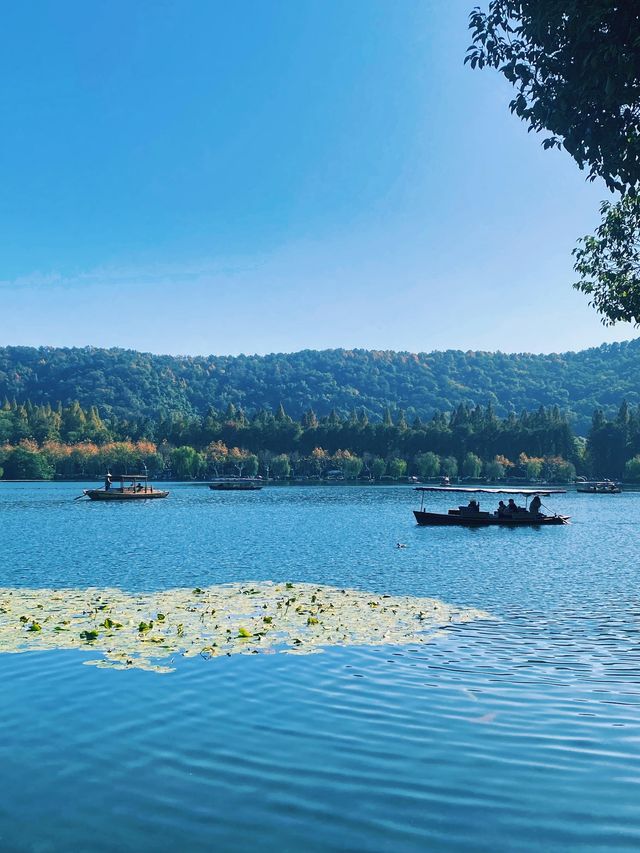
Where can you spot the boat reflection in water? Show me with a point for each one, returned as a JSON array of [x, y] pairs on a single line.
[[507, 515]]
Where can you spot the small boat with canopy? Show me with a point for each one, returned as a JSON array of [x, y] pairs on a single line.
[[506, 515], [235, 484], [125, 487], [598, 487]]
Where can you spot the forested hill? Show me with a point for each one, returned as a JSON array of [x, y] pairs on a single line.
[[133, 384]]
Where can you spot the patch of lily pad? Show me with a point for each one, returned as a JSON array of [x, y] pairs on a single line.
[[150, 630]]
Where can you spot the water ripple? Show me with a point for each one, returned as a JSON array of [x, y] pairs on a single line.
[[519, 734]]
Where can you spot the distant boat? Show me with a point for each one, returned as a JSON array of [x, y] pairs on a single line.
[[235, 484], [472, 516], [138, 488], [598, 487]]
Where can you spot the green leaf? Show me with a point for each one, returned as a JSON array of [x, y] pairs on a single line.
[[89, 636]]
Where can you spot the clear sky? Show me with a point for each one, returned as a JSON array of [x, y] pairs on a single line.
[[206, 176]]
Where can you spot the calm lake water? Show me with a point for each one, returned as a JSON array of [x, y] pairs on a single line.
[[521, 733]]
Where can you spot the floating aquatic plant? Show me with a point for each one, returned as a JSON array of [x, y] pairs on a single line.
[[89, 636], [215, 621]]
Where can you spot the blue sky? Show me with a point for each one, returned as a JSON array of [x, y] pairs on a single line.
[[275, 175]]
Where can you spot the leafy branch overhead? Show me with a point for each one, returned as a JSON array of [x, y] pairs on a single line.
[[576, 69], [609, 262]]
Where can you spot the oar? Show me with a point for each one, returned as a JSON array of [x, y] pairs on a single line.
[[83, 495]]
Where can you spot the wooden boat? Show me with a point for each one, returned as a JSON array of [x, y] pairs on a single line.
[[138, 489], [235, 484], [598, 487], [472, 516]]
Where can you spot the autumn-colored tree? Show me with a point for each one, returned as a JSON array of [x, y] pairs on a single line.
[[216, 455]]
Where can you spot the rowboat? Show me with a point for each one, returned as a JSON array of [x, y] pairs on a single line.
[[505, 516], [138, 488]]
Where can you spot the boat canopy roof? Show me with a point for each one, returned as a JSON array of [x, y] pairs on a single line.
[[235, 480], [132, 477], [489, 491]]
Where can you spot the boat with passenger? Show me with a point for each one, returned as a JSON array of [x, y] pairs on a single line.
[[125, 487], [506, 515], [598, 487]]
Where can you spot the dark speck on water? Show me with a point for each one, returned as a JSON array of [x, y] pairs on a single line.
[[519, 733]]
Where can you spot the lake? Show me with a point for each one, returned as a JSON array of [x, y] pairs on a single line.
[[521, 732]]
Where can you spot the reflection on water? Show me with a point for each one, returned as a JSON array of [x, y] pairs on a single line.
[[521, 733]]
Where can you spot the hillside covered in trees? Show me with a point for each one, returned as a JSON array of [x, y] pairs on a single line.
[[41, 442], [129, 384]]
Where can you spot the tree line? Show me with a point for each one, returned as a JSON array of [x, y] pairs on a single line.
[[124, 383], [44, 441]]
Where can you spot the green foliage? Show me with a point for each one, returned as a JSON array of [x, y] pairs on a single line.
[[493, 470], [427, 464], [532, 467], [396, 467], [557, 470], [89, 636], [251, 466], [126, 395], [185, 462], [24, 464], [540, 443], [614, 442], [378, 468], [609, 262], [449, 466], [576, 69], [352, 468], [280, 467], [471, 466], [632, 470]]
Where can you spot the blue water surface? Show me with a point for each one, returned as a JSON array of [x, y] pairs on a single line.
[[521, 733]]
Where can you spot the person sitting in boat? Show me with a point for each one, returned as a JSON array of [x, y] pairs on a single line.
[[512, 507], [534, 506], [473, 506], [502, 509], [107, 481]]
